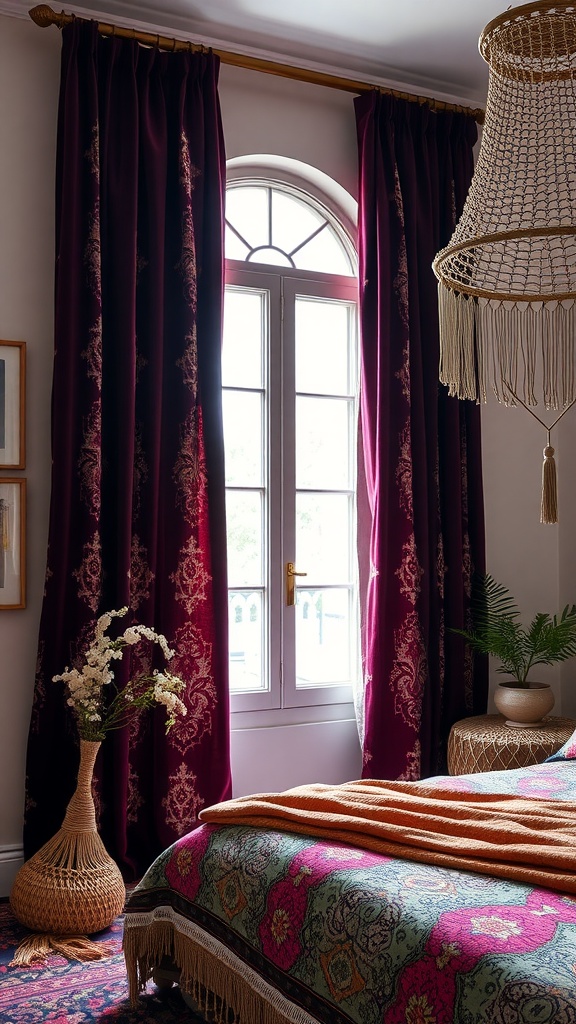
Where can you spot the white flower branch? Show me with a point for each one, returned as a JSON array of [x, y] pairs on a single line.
[[90, 688]]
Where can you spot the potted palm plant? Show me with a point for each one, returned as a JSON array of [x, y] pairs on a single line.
[[496, 630]]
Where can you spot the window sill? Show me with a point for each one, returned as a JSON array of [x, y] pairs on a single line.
[[292, 716]]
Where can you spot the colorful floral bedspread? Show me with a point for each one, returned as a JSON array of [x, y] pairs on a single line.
[[353, 936]]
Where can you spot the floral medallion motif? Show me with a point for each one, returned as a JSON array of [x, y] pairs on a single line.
[[419, 1011], [190, 470], [191, 579], [183, 802], [92, 154], [409, 670], [141, 575], [193, 662], [441, 568], [93, 353], [89, 573], [92, 253], [341, 972], [231, 894], [410, 572], [187, 262], [404, 473], [188, 362], [139, 473], [90, 461], [403, 374], [412, 770]]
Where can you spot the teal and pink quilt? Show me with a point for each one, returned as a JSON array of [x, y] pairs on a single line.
[[339, 935]]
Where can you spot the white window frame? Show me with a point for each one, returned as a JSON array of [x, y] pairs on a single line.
[[282, 701]]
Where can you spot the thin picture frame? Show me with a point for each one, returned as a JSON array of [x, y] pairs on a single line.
[[12, 405], [12, 543]]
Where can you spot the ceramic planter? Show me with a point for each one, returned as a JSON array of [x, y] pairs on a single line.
[[523, 706]]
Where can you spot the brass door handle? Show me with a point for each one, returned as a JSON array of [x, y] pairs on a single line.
[[290, 585]]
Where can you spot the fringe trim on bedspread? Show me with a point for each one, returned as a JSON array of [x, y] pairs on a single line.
[[224, 987]]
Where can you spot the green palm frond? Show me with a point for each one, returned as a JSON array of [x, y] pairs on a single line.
[[497, 631]]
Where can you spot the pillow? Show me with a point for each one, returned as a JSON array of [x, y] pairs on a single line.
[[567, 751]]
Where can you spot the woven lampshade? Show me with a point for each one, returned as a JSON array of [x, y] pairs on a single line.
[[507, 279]]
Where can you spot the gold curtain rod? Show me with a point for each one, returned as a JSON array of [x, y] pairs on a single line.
[[43, 15]]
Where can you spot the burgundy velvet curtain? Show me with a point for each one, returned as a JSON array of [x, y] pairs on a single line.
[[422, 457], [137, 509]]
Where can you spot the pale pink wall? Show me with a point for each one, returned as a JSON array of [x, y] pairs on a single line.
[[522, 553], [29, 74]]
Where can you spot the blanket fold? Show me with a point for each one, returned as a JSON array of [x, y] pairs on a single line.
[[497, 834]]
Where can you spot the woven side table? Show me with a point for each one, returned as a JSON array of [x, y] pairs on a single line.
[[486, 744]]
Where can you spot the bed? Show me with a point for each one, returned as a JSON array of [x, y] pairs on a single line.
[[264, 923]]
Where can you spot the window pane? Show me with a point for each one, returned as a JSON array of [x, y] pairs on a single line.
[[245, 543], [292, 221], [246, 638], [322, 346], [244, 336], [323, 629], [322, 443], [247, 211], [234, 248], [325, 253], [323, 537], [243, 443]]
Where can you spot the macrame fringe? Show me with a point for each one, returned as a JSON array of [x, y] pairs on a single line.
[[35, 949], [222, 994], [549, 506], [484, 344]]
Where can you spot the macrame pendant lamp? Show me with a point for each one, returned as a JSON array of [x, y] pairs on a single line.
[[507, 279]]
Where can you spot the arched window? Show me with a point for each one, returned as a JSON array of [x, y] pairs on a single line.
[[290, 380], [280, 225]]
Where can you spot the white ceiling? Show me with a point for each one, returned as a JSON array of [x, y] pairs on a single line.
[[428, 45]]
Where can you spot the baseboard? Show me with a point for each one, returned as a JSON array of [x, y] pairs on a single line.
[[11, 860]]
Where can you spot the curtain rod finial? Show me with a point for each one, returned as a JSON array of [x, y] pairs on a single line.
[[43, 15]]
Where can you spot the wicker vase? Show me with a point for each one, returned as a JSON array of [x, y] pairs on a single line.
[[71, 886]]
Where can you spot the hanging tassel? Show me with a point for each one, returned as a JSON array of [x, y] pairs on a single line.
[[549, 507]]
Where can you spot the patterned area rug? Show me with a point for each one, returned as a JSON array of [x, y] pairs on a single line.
[[64, 992]]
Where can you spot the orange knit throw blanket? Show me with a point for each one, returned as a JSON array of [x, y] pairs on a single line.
[[513, 837]]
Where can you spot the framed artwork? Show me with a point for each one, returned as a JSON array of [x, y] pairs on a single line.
[[12, 405], [12, 543]]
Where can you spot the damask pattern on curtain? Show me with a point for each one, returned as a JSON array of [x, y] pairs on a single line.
[[422, 456], [137, 509]]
